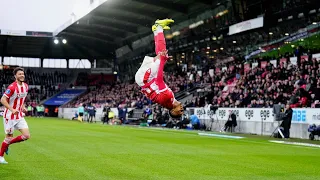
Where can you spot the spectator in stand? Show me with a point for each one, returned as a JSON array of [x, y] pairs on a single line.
[[146, 113]]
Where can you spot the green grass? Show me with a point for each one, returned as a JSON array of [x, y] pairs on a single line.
[[60, 149]]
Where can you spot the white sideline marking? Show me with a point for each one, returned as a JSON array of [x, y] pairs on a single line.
[[220, 135], [297, 143]]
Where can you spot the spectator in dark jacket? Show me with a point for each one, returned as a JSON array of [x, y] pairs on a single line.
[[286, 123]]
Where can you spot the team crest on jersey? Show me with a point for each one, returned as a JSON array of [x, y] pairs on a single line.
[[8, 91]]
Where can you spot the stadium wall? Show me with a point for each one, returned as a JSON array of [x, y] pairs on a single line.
[[260, 121], [68, 113]]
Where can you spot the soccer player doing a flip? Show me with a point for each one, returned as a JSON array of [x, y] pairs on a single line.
[[150, 75]]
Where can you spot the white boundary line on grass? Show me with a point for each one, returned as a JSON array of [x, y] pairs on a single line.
[[296, 143], [220, 135], [196, 134]]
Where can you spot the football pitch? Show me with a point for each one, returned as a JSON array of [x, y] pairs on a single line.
[[62, 149]]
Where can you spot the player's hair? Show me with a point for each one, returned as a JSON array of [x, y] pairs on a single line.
[[17, 69], [174, 116]]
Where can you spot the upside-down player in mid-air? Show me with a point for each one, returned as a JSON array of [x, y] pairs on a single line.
[[150, 75], [13, 117]]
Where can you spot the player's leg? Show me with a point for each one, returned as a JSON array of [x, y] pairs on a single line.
[[25, 135], [160, 47], [8, 128], [4, 148], [159, 40], [22, 126]]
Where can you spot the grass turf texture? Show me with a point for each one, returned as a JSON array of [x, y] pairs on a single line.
[[60, 149]]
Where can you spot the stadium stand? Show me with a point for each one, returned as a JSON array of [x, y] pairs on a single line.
[[249, 66], [86, 79], [42, 85], [196, 52], [263, 87]]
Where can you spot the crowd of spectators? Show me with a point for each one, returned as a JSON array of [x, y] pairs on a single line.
[[115, 94], [259, 87], [86, 79], [41, 85], [298, 85], [35, 78], [45, 79], [242, 43]]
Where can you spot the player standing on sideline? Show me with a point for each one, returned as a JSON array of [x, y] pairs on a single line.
[[13, 117], [150, 75]]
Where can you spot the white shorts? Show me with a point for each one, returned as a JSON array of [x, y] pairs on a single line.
[[11, 125]]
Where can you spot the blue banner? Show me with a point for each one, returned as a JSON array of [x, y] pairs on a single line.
[[299, 115], [64, 97]]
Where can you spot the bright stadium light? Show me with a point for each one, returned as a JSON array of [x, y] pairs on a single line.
[[270, 33], [56, 41], [64, 41], [287, 34], [314, 23], [234, 42]]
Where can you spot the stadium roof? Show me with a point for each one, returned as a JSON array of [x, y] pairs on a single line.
[[112, 25], [120, 22]]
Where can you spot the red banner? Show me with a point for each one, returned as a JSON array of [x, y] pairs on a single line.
[[283, 60], [247, 67], [263, 64], [304, 57]]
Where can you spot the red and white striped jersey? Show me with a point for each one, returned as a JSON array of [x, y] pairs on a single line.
[[17, 95], [152, 87], [148, 71]]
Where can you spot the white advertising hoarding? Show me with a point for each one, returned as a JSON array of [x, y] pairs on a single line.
[[300, 115], [246, 25]]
